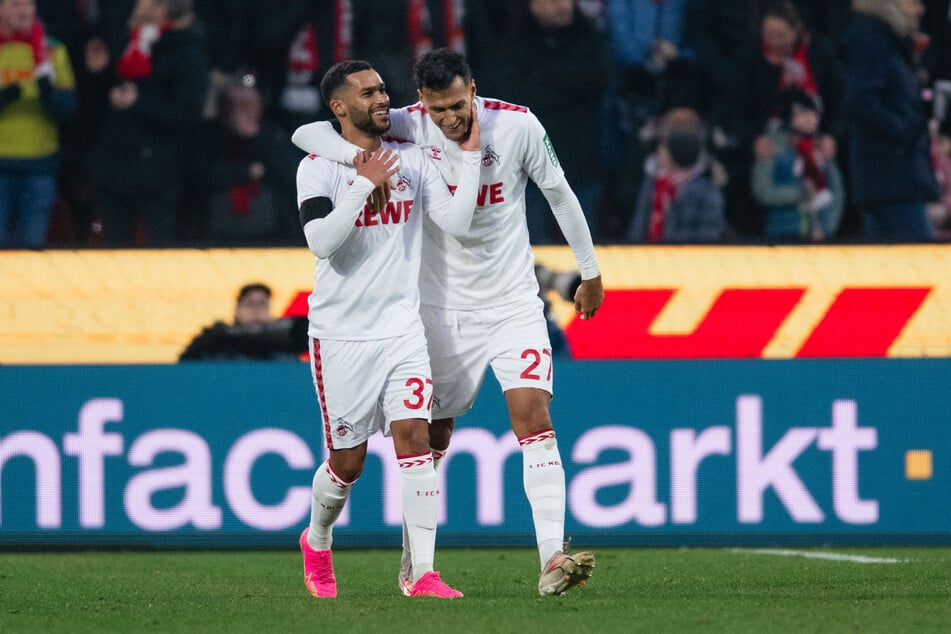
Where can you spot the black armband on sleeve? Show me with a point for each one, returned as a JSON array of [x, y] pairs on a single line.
[[314, 208]]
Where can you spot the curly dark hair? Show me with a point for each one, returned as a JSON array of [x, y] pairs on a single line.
[[436, 69]]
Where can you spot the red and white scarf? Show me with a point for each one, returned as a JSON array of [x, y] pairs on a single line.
[[423, 34], [136, 60], [35, 37], [303, 57], [666, 187]]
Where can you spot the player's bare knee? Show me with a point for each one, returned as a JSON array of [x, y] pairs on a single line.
[[410, 437], [440, 432], [531, 419], [347, 466]]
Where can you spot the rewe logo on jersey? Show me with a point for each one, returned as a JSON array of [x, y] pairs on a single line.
[[491, 194], [394, 213]]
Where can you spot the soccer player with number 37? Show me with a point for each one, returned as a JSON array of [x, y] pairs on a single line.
[[368, 350], [480, 303]]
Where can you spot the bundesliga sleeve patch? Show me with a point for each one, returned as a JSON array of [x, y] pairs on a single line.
[[551, 151]]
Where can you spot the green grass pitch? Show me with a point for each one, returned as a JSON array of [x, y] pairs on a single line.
[[633, 590]]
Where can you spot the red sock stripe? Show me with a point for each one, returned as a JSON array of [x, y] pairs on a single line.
[[438, 454], [540, 436], [319, 376], [419, 460]]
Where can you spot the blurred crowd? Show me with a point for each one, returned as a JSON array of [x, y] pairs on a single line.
[[129, 123]]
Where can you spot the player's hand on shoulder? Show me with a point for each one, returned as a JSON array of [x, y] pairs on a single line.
[[377, 167], [588, 297]]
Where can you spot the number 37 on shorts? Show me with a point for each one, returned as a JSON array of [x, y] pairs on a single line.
[[421, 394]]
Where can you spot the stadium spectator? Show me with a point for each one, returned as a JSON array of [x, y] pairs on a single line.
[[292, 44], [829, 18], [394, 34], [494, 300], [223, 24], [654, 71], [155, 109], [253, 334], [721, 33], [558, 66], [94, 34], [245, 170], [785, 56], [889, 142], [680, 199], [36, 97], [788, 56], [795, 178]]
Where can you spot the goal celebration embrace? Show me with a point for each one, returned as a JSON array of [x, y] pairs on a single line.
[[476, 304]]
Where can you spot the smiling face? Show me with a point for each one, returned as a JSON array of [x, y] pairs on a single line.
[[451, 109], [364, 102]]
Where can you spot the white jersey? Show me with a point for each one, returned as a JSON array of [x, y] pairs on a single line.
[[369, 287], [493, 264]]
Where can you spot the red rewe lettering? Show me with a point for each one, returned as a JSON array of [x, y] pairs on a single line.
[[392, 212], [740, 324], [863, 322], [493, 192]]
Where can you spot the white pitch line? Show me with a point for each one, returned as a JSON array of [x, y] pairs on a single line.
[[808, 554]]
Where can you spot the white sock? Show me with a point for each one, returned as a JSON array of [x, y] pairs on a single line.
[[330, 493], [420, 490], [407, 560], [544, 480]]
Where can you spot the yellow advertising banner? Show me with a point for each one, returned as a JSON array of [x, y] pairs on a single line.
[[144, 306]]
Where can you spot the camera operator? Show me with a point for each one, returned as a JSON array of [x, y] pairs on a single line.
[[254, 333]]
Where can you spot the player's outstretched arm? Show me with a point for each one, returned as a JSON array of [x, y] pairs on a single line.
[[321, 139], [571, 220]]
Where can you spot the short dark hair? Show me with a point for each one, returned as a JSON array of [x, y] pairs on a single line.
[[247, 289], [336, 77], [436, 69]]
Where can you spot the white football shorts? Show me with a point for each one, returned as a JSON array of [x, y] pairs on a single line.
[[362, 386], [513, 340]]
